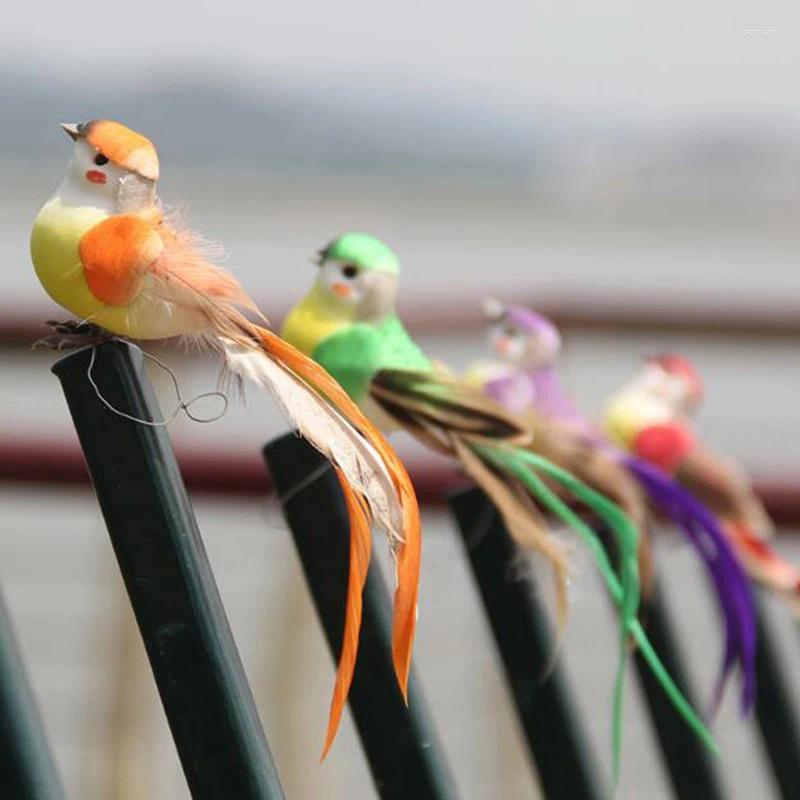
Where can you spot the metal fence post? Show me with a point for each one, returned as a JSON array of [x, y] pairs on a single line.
[[687, 761], [688, 764], [776, 712], [27, 769], [404, 755], [551, 725], [195, 663]]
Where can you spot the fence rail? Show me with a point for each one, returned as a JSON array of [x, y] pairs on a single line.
[[237, 472], [439, 315]]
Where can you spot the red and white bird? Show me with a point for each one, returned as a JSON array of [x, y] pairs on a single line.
[[652, 418]]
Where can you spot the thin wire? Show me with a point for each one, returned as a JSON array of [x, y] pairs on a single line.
[[291, 492], [182, 405], [298, 487]]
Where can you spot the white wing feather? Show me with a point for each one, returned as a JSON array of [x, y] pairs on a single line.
[[326, 429]]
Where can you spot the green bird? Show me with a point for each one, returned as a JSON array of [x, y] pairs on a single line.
[[348, 324]]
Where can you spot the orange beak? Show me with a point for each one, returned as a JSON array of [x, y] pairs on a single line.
[[502, 345], [342, 289]]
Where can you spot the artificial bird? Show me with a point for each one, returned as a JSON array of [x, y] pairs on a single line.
[[652, 416], [104, 249], [525, 347], [348, 323]]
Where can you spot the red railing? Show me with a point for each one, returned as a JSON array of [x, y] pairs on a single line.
[[229, 472], [241, 473]]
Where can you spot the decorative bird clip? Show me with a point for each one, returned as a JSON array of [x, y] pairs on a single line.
[[651, 416], [105, 250]]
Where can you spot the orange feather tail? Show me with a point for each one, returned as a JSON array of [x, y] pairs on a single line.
[[360, 547], [409, 552], [404, 623]]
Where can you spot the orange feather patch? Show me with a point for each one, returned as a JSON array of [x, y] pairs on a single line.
[[188, 257], [116, 254]]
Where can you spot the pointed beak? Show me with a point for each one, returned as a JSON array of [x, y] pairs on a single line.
[[502, 345], [71, 130], [342, 289]]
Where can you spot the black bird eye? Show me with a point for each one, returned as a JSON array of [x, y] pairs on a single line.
[[100, 160], [349, 271]]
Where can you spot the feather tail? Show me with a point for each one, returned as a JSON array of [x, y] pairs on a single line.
[[527, 532], [732, 587], [614, 517], [360, 548], [317, 406], [407, 543], [522, 464], [624, 592], [320, 410]]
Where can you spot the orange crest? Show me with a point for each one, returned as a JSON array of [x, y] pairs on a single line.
[[124, 147]]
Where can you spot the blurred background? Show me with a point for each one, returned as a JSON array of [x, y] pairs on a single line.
[[632, 169]]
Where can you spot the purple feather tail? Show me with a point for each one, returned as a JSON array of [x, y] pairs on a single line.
[[734, 594]]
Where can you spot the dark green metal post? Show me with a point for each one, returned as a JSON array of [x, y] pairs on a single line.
[[170, 584], [776, 712], [552, 728], [404, 755], [27, 770], [688, 763], [690, 768]]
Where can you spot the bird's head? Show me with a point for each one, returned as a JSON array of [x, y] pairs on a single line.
[[671, 381], [358, 275], [521, 337], [107, 156]]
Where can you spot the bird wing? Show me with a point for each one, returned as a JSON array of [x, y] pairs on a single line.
[[432, 403], [571, 450], [725, 488], [116, 254], [356, 353], [352, 356], [455, 418]]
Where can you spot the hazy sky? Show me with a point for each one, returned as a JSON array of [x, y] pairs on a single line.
[[674, 58]]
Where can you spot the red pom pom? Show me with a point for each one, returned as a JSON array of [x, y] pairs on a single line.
[[664, 445]]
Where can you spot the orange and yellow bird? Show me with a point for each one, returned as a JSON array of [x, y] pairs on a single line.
[[104, 249]]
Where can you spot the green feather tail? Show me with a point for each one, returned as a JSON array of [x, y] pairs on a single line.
[[624, 590]]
